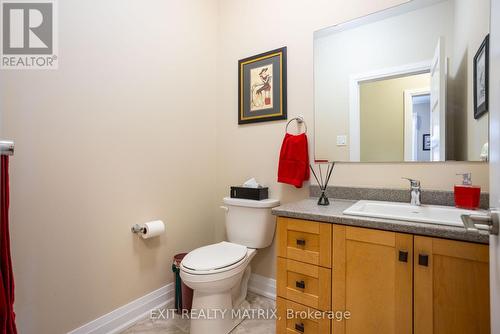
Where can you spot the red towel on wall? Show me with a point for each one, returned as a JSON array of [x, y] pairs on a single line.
[[294, 160], [7, 316]]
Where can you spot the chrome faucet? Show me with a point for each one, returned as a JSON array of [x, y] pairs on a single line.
[[416, 191]]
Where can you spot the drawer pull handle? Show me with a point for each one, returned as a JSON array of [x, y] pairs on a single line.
[[300, 284], [403, 256], [423, 260], [301, 242], [299, 327]]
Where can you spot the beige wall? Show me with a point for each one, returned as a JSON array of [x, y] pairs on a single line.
[[252, 150], [471, 19], [382, 115], [122, 133]]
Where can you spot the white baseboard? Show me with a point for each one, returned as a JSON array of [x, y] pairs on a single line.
[[262, 286], [124, 316]]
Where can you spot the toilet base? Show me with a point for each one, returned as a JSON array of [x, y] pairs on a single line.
[[213, 313]]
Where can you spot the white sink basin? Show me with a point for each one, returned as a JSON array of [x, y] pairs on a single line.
[[432, 214]]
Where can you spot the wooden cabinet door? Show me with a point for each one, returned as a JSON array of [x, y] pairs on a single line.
[[451, 287], [372, 279]]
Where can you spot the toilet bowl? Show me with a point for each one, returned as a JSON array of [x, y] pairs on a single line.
[[219, 273]]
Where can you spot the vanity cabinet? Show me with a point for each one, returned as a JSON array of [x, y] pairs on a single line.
[[389, 282]]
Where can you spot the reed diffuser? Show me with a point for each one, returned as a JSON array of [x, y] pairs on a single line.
[[323, 183]]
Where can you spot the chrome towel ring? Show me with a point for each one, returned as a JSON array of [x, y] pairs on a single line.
[[300, 121]]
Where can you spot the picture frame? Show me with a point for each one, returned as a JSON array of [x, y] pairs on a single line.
[[262, 87], [481, 79], [426, 142]]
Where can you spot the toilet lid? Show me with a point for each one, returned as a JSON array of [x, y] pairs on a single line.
[[214, 256]]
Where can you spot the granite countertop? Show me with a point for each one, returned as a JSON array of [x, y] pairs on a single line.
[[308, 209]]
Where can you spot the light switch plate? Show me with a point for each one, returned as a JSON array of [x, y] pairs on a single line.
[[342, 140]]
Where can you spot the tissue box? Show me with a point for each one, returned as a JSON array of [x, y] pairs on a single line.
[[250, 193]]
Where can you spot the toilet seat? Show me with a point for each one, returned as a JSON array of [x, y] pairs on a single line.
[[214, 258]]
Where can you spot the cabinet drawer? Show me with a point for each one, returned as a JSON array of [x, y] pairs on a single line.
[[305, 241], [304, 283], [293, 319]]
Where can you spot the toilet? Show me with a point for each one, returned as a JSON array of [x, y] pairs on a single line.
[[219, 273]]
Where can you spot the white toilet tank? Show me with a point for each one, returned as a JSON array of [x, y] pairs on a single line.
[[250, 223]]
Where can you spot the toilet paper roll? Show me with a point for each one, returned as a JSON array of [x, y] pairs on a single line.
[[153, 229]]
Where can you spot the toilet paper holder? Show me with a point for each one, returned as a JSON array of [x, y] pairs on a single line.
[[149, 230], [139, 229]]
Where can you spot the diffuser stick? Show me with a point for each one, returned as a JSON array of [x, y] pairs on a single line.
[[329, 174], [314, 173], [326, 175], [321, 178]]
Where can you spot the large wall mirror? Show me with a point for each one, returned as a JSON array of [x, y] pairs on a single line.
[[406, 84]]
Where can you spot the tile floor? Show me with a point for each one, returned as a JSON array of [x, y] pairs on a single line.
[[181, 326]]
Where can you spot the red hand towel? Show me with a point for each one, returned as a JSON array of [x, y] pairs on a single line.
[[294, 160]]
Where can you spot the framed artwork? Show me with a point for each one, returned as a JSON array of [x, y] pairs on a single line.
[[426, 144], [262, 87], [481, 78]]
